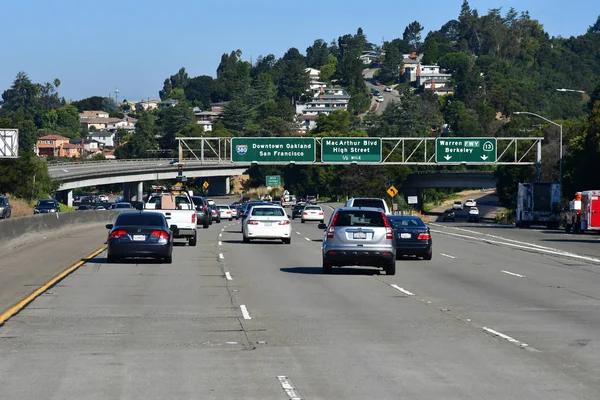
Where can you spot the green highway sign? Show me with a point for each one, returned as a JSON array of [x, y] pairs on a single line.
[[466, 150], [272, 150], [273, 180], [350, 149]]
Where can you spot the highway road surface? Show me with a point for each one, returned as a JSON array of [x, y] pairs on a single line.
[[485, 319]]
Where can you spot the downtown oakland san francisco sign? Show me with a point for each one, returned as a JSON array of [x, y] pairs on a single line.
[[466, 150], [273, 150]]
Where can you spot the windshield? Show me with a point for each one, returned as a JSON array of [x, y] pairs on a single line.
[[47, 203], [406, 221], [359, 218], [376, 203], [140, 219], [268, 212]]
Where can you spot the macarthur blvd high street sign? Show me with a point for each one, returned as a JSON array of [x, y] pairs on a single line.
[[350, 149], [273, 150], [466, 150]]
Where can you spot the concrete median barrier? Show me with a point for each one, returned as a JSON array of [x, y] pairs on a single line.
[[16, 231]]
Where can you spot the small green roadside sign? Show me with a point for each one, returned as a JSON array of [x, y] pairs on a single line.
[[466, 150], [273, 180], [351, 149], [273, 150]]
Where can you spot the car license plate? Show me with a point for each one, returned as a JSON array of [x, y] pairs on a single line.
[[139, 238], [268, 224], [405, 236], [360, 235]]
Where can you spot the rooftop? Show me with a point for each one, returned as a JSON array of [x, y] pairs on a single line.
[[53, 137]]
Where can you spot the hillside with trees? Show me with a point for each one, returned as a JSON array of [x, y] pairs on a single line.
[[501, 61]]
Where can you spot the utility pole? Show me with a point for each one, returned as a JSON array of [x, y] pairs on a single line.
[[117, 95]]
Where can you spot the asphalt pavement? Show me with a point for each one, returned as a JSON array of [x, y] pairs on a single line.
[[229, 320]]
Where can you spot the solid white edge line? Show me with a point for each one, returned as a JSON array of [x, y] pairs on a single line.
[[289, 389], [447, 255], [513, 274], [245, 312], [402, 290], [221, 256], [228, 276], [505, 337], [529, 247]]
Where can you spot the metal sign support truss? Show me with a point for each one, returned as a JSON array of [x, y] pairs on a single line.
[[396, 151]]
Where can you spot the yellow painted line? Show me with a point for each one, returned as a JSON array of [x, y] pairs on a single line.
[[23, 303]]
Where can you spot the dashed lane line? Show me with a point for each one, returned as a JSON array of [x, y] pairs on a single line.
[[402, 290], [221, 256], [228, 276], [447, 255], [514, 274], [508, 338], [245, 312], [289, 388]]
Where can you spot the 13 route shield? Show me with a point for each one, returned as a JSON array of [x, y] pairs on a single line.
[[453, 150]]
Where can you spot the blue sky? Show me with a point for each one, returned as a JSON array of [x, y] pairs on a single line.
[[95, 47]]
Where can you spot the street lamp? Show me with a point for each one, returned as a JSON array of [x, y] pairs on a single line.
[[560, 174]]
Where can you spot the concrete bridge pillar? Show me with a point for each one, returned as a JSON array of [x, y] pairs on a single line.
[[65, 197], [219, 185], [140, 191]]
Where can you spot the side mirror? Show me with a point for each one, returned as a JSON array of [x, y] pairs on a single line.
[[109, 226], [322, 226]]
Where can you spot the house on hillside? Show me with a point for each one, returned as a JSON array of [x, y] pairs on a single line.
[[107, 138], [146, 105], [98, 123], [313, 74], [93, 114], [56, 146], [168, 103]]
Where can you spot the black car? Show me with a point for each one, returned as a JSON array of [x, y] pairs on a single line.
[[412, 236], [449, 215], [203, 211], [46, 206], [84, 207], [4, 207], [297, 210], [140, 234]]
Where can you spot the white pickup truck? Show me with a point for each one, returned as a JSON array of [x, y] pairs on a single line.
[[179, 211]]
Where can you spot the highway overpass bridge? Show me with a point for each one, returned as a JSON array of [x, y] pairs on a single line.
[[132, 173]]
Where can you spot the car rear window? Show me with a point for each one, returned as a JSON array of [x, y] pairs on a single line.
[[223, 207], [268, 212], [376, 203], [407, 221], [123, 205], [359, 218], [313, 208], [141, 219]]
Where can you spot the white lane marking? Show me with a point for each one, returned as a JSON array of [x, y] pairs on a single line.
[[447, 255], [220, 234], [228, 276], [402, 290], [298, 233], [221, 256], [307, 239], [288, 386], [220, 243], [529, 246], [245, 312], [505, 337], [513, 274]]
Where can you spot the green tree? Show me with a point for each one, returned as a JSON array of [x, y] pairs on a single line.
[[294, 80], [412, 35], [143, 142], [336, 121], [317, 55]]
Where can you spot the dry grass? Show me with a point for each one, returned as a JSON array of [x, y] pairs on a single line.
[[19, 207], [263, 191], [239, 183]]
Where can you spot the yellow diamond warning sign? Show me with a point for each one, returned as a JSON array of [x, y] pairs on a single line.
[[392, 191]]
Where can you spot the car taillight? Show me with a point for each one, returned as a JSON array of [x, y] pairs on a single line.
[[389, 233], [305, 213], [252, 222], [320, 212], [424, 236], [203, 208], [284, 222], [193, 218], [331, 229], [118, 234], [160, 234]]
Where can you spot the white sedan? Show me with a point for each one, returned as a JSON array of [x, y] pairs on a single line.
[[267, 222], [225, 211], [470, 203], [312, 213]]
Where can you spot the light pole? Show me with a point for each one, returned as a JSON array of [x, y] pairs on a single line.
[[560, 157]]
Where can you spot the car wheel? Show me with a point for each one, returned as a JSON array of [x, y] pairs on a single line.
[[303, 221], [390, 268], [286, 240], [429, 255], [210, 221], [205, 225], [169, 259], [219, 220], [246, 239], [293, 217], [327, 267], [192, 241]]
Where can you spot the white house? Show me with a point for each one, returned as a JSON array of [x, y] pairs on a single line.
[[207, 126], [313, 74], [107, 138], [93, 114]]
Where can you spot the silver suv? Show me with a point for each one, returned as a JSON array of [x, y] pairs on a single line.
[[359, 236]]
